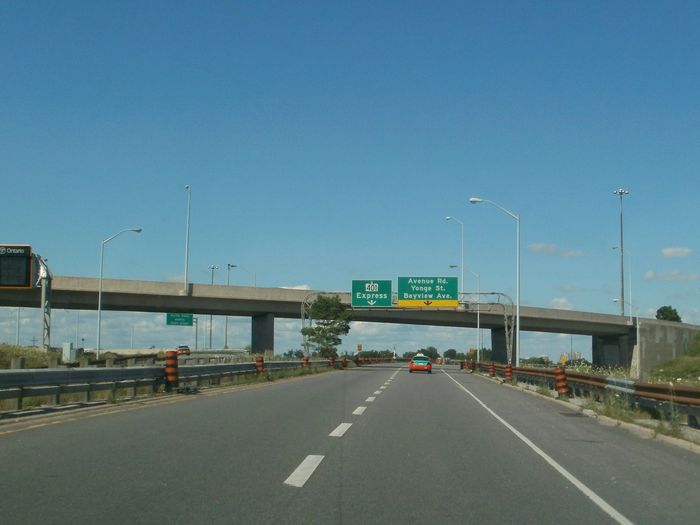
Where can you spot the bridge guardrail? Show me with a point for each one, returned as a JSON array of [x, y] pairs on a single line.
[[662, 397], [15, 385]]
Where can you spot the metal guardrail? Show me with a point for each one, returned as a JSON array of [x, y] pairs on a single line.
[[15, 385], [663, 397]]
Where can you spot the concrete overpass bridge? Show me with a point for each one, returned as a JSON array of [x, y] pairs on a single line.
[[614, 337]]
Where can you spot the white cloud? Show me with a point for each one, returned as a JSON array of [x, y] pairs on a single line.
[[676, 252], [364, 329], [542, 248], [675, 275], [553, 249], [571, 253], [560, 303]]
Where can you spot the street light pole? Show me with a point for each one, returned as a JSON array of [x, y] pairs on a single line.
[[621, 192], [478, 313], [187, 238], [99, 287], [629, 276], [228, 275], [461, 277], [19, 308], [212, 267], [477, 200]]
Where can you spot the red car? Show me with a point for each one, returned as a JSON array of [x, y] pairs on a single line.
[[420, 363]]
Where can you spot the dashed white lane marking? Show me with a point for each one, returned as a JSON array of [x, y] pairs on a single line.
[[600, 502], [370, 399], [303, 472], [340, 430], [377, 392], [359, 411], [382, 387]]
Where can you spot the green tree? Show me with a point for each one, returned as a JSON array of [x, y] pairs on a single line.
[[668, 313], [331, 320], [486, 355], [431, 352], [450, 354]]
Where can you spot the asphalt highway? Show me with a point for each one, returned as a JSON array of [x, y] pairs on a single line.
[[369, 445]]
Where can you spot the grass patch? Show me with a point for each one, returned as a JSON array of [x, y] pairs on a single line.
[[34, 357], [615, 406], [684, 370], [606, 371], [670, 423], [543, 389]]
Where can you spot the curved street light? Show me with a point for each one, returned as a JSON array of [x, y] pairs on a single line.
[[99, 287], [228, 279], [461, 277], [212, 267], [478, 200], [188, 188], [478, 310], [621, 192]]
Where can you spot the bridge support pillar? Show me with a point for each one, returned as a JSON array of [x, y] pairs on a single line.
[[263, 333], [613, 350], [499, 348]]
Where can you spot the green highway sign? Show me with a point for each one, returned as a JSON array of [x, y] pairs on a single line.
[[371, 294], [178, 319], [428, 292]]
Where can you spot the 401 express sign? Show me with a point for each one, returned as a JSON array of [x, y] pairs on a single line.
[[371, 294], [428, 292]]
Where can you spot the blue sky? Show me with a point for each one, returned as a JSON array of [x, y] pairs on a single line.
[[327, 141]]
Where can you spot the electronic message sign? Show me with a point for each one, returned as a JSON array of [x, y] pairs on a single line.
[[15, 266]]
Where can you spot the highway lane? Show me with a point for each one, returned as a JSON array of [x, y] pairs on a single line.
[[423, 450]]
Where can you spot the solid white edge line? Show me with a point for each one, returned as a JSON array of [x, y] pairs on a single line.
[[359, 411], [340, 430], [600, 502], [370, 399], [303, 472]]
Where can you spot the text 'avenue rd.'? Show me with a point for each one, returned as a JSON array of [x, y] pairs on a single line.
[[433, 292]]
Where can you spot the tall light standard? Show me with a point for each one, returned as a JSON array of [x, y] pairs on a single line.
[[212, 267], [477, 200], [461, 277], [621, 192], [188, 188], [99, 288], [228, 275], [629, 276], [478, 310]]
